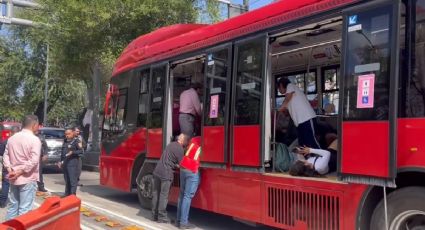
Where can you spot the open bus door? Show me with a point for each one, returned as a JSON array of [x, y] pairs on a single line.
[[215, 123], [369, 83]]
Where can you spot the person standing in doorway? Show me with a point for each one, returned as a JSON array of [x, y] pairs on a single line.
[[4, 181], [189, 182], [22, 159], [163, 177], [70, 161], [301, 112], [190, 107]]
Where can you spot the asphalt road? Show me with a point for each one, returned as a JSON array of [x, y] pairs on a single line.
[[123, 208]]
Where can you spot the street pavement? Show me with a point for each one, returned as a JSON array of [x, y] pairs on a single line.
[[104, 208]]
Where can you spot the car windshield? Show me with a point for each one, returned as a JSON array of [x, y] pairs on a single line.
[[53, 133]]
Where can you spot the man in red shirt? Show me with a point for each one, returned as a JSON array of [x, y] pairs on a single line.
[[189, 182]]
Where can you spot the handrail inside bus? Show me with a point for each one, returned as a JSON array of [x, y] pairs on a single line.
[[307, 47]]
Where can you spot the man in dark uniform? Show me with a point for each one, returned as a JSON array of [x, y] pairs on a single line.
[[163, 177], [43, 152], [70, 157], [4, 181]]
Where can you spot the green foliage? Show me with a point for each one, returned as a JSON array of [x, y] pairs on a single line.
[[81, 34]]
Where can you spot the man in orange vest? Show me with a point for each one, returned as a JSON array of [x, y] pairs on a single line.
[[189, 181]]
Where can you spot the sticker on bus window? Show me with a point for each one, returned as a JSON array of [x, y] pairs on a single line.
[[352, 20], [211, 62], [214, 106], [215, 90], [365, 91], [355, 28], [157, 99], [250, 85]]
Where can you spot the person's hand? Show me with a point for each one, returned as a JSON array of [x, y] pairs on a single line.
[[68, 154], [59, 164], [44, 158], [15, 174], [304, 151]]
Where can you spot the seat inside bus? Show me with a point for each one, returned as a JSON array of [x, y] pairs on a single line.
[[309, 56]]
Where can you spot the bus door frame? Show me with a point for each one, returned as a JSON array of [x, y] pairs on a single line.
[[265, 59], [229, 79], [393, 91]]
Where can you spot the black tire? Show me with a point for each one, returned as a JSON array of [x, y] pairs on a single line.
[[406, 210], [144, 190]]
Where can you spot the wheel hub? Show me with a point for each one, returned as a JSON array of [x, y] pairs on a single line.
[[409, 220]]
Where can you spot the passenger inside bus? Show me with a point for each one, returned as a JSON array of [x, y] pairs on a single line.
[[308, 57], [187, 78]]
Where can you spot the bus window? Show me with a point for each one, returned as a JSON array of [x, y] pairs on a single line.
[[216, 87], [330, 90], [415, 99], [121, 110], [157, 97], [368, 55], [143, 98], [248, 83]]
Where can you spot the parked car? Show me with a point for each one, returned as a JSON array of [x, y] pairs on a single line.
[[54, 140], [6, 127]]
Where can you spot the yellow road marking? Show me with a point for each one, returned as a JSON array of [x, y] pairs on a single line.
[[101, 218], [113, 224], [132, 227]]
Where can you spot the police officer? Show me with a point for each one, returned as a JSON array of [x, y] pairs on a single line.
[[70, 157]]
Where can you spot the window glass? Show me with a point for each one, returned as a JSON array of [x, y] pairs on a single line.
[[415, 98], [331, 102], [121, 110], [143, 98], [311, 82], [330, 77], [249, 82], [368, 62], [157, 97], [216, 90]]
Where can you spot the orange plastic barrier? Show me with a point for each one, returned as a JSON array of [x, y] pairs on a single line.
[[54, 213]]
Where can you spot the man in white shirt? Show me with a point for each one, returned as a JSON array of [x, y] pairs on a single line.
[[300, 111], [190, 107]]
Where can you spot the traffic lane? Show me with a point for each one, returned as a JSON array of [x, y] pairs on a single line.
[[127, 204]]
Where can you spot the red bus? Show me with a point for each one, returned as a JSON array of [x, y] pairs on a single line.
[[361, 65]]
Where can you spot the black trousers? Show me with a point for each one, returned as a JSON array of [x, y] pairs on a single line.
[[40, 184], [161, 189], [71, 172]]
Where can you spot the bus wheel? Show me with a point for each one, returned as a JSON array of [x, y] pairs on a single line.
[[144, 191], [406, 210]]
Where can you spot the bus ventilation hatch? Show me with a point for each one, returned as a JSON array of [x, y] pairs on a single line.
[[300, 209]]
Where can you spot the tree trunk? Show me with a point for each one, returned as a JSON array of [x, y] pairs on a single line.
[[95, 100]]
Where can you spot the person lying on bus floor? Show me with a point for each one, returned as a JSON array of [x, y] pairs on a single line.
[[316, 159]]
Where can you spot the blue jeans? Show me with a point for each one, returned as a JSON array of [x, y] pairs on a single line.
[[21, 199], [4, 187], [189, 182]]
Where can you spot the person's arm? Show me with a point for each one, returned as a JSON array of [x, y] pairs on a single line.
[[6, 158], [196, 103], [290, 91], [78, 148], [64, 151]]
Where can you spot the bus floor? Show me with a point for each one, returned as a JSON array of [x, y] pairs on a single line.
[[330, 177]]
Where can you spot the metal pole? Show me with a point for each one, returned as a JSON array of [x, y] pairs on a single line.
[[385, 207], [46, 88]]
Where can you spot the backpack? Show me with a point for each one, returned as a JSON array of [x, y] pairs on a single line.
[[284, 158]]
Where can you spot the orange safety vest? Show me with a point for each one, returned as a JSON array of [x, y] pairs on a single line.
[[191, 159]]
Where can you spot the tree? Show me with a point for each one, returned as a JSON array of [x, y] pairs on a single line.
[[86, 36]]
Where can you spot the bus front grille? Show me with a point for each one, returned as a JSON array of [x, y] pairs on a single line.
[[294, 209]]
